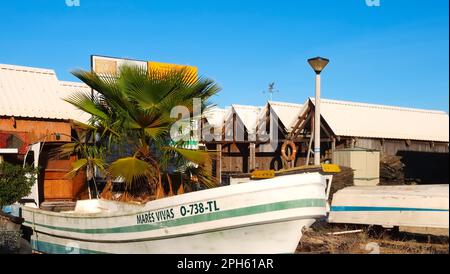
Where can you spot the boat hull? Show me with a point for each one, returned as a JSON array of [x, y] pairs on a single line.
[[264, 216], [272, 238], [419, 209]]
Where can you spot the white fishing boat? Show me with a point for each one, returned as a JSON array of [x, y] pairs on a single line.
[[262, 216], [418, 209]]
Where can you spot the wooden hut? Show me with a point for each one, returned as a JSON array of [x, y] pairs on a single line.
[[33, 120], [413, 139], [245, 143]]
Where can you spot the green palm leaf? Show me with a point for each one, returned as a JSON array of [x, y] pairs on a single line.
[[130, 169], [84, 102], [131, 111], [195, 156], [76, 167]]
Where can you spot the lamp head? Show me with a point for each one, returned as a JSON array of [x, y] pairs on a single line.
[[318, 63]]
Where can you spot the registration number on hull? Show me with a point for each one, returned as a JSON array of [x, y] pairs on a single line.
[[172, 213], [199, 208]]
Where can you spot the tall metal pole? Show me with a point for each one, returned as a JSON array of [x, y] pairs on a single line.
[[318, 64], [317, 123]]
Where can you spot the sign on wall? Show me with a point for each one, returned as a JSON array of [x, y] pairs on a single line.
[[110, 66], [103, 65], [164, 68], [107, 66]]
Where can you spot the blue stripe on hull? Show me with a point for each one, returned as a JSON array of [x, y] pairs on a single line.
[[50, 248]]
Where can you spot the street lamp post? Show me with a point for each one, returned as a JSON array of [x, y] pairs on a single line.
[[318, 64]]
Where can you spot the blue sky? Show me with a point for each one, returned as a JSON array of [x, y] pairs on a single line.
[[395, 54]]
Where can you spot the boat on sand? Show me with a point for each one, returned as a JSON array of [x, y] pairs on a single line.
[[421, 209], [261, 216]]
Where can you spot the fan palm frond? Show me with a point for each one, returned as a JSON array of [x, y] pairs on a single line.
[[132, 110]]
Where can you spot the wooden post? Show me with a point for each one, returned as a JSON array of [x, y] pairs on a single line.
[[333, 149], [234, 128], [252, 165], [219, 162], [295, 159], [1, 159], [308, 154]]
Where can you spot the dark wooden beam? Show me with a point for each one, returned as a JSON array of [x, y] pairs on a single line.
[[219, 162], [300, 127], [322, 126], [252, 148], [301, 118]]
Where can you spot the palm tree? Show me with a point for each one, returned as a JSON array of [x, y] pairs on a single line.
[[130, 113], [90, 155]]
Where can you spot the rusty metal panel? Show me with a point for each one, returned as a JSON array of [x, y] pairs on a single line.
[[35, 130], [17, 140]]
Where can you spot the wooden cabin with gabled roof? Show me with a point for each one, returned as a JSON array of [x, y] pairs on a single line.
[[417, 139], [34, 119]]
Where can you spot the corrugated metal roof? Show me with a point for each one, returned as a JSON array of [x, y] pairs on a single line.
[[379, 121], [70, 88], [288, 113], [75, 86], [248, 116], [216, 117], [34, 93]]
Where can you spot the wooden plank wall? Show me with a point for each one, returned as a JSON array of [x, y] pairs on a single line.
[[55, 185], [37, 129], [236, 157], [392, 147]]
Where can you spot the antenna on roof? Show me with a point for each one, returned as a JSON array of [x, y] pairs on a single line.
[[271, 90]]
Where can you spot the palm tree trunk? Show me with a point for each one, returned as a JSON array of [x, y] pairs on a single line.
[[96, 188], [170, 186], [89, 190]]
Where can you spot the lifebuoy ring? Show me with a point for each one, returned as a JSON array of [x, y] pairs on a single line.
[[293, 147]]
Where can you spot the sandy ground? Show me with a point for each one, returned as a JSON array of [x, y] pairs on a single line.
[[316, 240]]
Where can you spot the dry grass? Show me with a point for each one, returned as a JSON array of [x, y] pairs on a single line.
[[373, 240]]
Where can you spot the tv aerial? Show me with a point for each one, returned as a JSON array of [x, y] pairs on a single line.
[[271, 90]]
